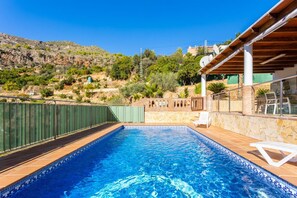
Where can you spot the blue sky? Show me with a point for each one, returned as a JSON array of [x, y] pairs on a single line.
[[126, 26]]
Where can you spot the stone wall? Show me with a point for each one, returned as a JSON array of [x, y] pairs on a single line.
[[262, 128], [170, 117], [236, 105]]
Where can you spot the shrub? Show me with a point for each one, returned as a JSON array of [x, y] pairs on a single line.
[[76, 91], [132, 89], [197, 88], [10, 86], [53, 80], [89, 94], [89, 86], [46, 92], [153, 91], [59, 86], [26, 46], [3, 100], [262, 92], [137, 96], [79, 98], [103, 98], [87, 101], [184, 93], [70, 97], [97, 85], [96, 69], [69, 81], [116, 100], [216, 87], [62, 96]]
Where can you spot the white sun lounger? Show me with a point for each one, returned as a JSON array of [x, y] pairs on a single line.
[[204, 118], [282, 147]]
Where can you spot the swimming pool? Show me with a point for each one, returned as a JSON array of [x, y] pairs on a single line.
[[146, 161]]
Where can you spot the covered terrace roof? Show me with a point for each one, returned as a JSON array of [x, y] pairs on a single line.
[[274, 39]]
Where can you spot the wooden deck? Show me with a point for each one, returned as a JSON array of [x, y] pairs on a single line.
[[15, 166]]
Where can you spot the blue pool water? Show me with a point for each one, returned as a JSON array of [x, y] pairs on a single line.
[[152, 162]]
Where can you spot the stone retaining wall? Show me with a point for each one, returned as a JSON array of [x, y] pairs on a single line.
[[170, 117], [262, 128]]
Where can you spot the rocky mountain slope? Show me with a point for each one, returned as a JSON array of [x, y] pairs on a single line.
[[19, 52]]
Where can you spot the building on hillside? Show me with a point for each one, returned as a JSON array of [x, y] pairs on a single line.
[[196, 49]]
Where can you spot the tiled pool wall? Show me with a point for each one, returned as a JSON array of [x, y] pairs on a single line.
[[258, 171], [25, 183], [274, 180]]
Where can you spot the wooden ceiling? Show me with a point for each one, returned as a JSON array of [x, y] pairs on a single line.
[[281, 41]]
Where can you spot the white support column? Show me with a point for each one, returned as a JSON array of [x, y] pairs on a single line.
[[203, 90], [247, 93], [248, 65], [203, 85]]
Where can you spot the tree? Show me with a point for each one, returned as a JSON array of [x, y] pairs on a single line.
[[150, 54], [200, 51], [122, 68], [188, 72], [136, 63], [165, 81], [164, 64], [178, 56]]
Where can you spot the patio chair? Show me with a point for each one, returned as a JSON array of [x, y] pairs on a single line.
[[270, 100], [282, 147], [286, 103], [204, 118]]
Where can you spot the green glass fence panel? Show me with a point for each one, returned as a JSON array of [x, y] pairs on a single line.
[[38, 124], [6, 128], [23, 124], [70, 118], [1, 127], [27, 124], [19, 121], [42, 123], [125, 114], [47, 120], [129, 114], [32, 124], [63, 120]]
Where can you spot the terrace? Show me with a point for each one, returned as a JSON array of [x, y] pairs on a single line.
[[266, 111]]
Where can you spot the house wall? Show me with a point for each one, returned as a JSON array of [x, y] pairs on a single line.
[[262, 128], [257, 78], [289, 71]]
